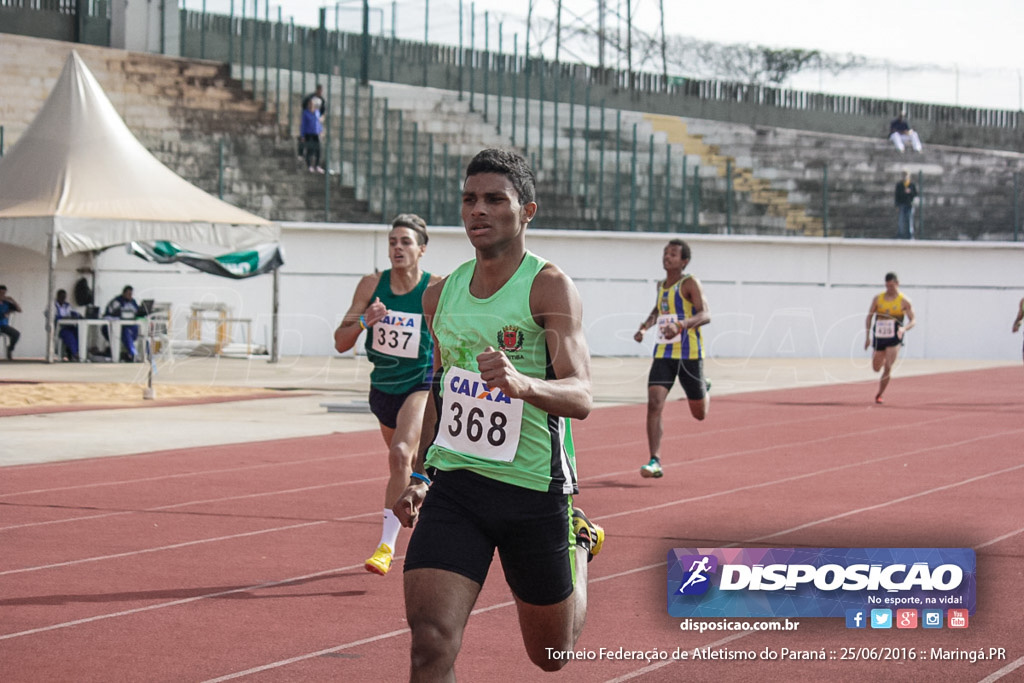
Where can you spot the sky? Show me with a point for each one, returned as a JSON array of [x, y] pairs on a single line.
[[972, 49]]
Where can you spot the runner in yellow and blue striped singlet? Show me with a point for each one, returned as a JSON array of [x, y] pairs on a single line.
[[672, 307], [678, 314], [885, 324]]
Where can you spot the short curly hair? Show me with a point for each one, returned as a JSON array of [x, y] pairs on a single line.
[[509, 164], [684, 248]]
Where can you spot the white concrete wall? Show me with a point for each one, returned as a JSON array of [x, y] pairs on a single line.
[[769, 297]]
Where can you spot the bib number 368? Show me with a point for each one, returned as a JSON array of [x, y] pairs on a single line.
[[478, 420], [474, 424]]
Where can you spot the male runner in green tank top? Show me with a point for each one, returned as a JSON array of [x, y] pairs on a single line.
[[511, 370], [389, 306]]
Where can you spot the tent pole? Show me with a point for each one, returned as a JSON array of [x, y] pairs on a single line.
[[275, 353], [51, 290]]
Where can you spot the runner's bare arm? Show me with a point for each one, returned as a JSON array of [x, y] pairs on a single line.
[[648, 322], [867, 323], [347, 334]]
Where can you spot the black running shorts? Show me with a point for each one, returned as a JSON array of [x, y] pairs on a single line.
[[886, 342], [690, 373], [465, 517], [880, 344], [385, 406]]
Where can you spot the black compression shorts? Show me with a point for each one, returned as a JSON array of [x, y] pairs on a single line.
[[385, 406], [664, 372], [466, 516], [886, 342]]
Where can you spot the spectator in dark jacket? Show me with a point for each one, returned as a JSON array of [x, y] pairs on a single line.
[[901, 133], [906, 193]]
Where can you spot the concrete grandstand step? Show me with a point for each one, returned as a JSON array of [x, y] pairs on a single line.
[[182, 109]]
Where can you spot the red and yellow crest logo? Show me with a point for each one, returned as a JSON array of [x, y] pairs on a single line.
[[510, 338]]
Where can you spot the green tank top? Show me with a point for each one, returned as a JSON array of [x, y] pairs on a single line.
[[480, 429], [399, 346]]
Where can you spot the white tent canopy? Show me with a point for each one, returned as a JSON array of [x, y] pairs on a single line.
[[78, 180], [80, 175]]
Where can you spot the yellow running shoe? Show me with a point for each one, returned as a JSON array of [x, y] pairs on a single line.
[[380, 562], [589, 536]]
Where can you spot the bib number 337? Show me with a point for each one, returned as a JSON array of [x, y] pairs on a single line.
[[478, 420], [398, 334]]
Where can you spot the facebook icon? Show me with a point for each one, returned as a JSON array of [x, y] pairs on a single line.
[[856, 618]]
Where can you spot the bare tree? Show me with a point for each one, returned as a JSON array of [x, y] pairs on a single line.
[[577, 37], [753, 64]]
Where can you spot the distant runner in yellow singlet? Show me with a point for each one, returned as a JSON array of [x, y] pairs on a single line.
[[885, 324]]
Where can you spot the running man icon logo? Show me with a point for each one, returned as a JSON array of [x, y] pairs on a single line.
[[695, 580]]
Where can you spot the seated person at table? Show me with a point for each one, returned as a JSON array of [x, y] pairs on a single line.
[[7, 306], [124, 307], [68, 333]]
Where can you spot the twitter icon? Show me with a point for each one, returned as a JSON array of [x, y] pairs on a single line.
[[881, 618]]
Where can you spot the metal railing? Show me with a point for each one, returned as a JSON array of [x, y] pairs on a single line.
[[590, 176]]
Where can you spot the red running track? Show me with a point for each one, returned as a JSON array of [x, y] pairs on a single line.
[[245, 561]]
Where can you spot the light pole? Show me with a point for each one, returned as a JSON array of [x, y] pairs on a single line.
[[364, 61]]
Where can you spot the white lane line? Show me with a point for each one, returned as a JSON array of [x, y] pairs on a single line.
[[808, 475], [188, 503], [174, 603], [187, 544], [1005, 671], [186, 475]]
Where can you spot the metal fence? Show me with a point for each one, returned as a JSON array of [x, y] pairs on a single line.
[[598, 166], [591, 173]]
